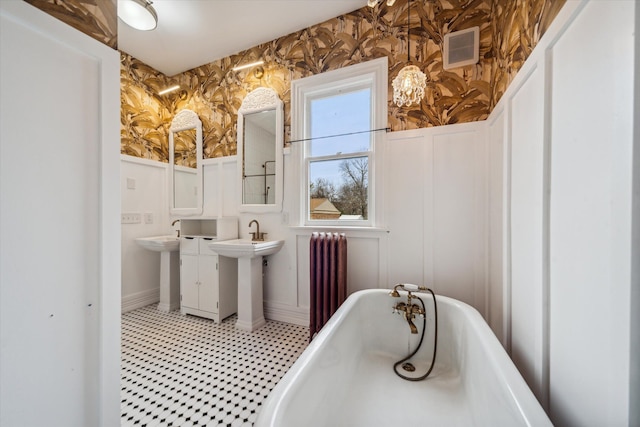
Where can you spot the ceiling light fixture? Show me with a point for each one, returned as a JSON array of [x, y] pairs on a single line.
[[138, 14], [410, 83], [169, 89], [252, 64]]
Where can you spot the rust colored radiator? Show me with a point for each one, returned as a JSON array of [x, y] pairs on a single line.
[[328, 272]]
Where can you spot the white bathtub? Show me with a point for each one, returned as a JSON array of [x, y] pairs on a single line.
[[345, 377]]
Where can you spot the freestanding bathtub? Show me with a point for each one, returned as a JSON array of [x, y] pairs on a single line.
[[345, 377]]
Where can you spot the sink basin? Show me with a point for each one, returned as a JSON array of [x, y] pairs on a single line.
[[249, 254], [159, 243], [245, 248], [168, 247]]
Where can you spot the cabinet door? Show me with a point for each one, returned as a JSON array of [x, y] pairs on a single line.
[[208, 273], [189, 281]]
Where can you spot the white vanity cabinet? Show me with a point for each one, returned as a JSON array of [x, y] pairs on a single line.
[[208, 282]]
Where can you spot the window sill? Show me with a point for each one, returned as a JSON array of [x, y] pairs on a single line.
[[308, 229]]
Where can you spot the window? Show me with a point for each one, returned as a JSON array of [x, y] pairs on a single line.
[[334, 114]]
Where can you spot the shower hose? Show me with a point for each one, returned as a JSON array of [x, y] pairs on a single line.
[[435, 342]]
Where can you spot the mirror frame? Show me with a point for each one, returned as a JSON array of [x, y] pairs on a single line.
[[186, 119], [259, 100]]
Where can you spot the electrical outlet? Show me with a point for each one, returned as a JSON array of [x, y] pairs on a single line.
[[148, 218], [130, 218], [131, 184]]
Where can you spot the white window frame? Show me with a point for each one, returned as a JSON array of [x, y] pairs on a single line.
[[371, 74]]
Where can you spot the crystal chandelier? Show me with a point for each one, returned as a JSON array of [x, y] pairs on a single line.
[[410, 83], [409, 86], [373, 3]]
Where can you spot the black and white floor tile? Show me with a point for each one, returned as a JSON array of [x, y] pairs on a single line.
[[187, 371]]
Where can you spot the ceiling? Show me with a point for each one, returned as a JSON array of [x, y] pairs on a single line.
[[191, 33]]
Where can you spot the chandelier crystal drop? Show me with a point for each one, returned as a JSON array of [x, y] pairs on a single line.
[[374, 3], [409, 86]]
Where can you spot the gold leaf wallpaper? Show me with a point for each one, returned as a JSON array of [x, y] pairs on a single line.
[[97, 19], [509, 29], [517, 26]]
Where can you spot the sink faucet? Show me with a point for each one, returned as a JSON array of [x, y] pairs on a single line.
[[174, 223], [256, 236]]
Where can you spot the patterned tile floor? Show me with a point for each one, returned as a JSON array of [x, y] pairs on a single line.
[[187, 371]]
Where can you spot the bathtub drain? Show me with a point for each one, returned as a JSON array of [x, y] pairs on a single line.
[[408, 367]]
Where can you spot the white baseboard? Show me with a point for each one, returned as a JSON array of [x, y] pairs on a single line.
[[140, 299], [287, 314]]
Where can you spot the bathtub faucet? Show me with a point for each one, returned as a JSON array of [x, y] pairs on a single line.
[[408, 309]]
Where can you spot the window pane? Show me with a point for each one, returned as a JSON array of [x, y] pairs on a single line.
[[339, 114], [338, 189]]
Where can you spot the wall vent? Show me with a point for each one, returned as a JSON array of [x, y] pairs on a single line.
[[461, 48]]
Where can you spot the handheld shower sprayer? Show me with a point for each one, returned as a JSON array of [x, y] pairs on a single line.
[[409, 310], [406, 287]]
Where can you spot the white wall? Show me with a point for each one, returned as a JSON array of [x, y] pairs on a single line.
[[634, 395], [435, 210], [526, 216], [141, 267], [498, 256], [565, 126], [590, 217], [59, 251], [440, 241]]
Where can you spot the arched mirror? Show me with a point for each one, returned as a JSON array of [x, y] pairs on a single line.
[[185, 164], [260, 143]]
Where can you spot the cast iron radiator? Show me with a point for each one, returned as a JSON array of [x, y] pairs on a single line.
[[328, 272]]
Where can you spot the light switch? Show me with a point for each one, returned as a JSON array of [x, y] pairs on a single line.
[[130, 218], [131, 184]]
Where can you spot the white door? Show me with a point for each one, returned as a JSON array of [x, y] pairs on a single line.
[[189, 282], [59, 223], [208, 272]]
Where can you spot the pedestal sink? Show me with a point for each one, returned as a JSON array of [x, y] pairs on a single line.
[[169, 268], [249, 254]]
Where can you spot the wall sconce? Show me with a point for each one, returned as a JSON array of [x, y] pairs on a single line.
[[182, 94], [249, 65], [169, 90], [138, 14], [258, 73]]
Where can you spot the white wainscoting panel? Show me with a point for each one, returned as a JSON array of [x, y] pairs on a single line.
[[568, 220], [528, 335], [497, 276], [408, 162], [141, 267], [459, 214], [435, 191], [212, 187], [220, 187], [590, 225], [228, 176]]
